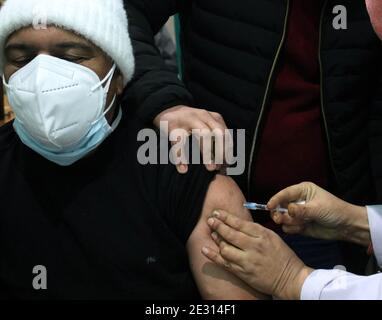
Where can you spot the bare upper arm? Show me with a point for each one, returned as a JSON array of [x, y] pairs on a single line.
[[213, 281]]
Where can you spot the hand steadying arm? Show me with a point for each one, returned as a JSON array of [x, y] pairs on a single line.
[[216, 282]]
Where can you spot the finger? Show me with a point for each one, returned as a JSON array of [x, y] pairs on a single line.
[[201, 131], [216, 237], [182, 168], [188, 121], [276, 217], [298, 229], [179, 153], [216, 257], [248, 228], [219, 118], [219, 129], [218, 147], [229, 148], [214, 141], [222, 147], [214, 121], [285, 219], [299, 212], [288, 195], [231, 253], [217, 142], [207, 146], [204, 139], [237, 238]]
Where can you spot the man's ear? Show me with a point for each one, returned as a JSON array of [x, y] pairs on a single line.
[[119, 83]]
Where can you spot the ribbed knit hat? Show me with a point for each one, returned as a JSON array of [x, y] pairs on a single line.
[[102, 22]]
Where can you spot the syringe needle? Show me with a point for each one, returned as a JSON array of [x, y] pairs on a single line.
[[255, 206], [263, 207]]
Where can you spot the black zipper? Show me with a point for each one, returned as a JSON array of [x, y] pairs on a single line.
[[266, 95], [322, 95]]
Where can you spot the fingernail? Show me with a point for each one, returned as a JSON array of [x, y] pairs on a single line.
[[211, 167], [211, 222], [216, 214], [214, 235], [205, 250], [182, 168]]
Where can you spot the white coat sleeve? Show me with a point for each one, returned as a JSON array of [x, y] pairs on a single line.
[[375, 222], [341, 285]]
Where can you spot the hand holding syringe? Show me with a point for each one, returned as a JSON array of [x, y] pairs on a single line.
[[263, 207]]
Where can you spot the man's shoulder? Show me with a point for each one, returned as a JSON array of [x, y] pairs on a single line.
[[148, 155], [7, 136]]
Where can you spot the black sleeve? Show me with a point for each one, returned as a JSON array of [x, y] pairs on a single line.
[[7, 135], [182, 197], [155, 86], [375, 139]]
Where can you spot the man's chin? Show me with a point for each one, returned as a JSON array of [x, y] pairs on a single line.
[[374, 7]]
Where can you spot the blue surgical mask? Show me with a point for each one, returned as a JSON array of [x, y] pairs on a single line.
[[60, 108]]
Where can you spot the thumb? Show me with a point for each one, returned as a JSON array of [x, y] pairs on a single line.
[[299, 211]]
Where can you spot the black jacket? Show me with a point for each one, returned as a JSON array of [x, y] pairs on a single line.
[[230, 55]]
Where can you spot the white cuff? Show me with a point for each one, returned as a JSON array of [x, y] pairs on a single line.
[[375, 222], [317, 281]]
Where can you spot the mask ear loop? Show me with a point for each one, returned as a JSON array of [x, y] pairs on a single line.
[[109, 107], [108, 78], [5, 83], [117, 120]]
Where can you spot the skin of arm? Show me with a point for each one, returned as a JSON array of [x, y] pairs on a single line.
[[256, 255], [216, 282], [259, 257]]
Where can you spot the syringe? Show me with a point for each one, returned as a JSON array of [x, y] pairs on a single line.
[[263, 207]]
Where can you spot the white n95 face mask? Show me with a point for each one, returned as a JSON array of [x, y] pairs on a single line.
[[60, 108]]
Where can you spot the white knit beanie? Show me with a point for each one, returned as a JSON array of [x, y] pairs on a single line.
[[103, 22]]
